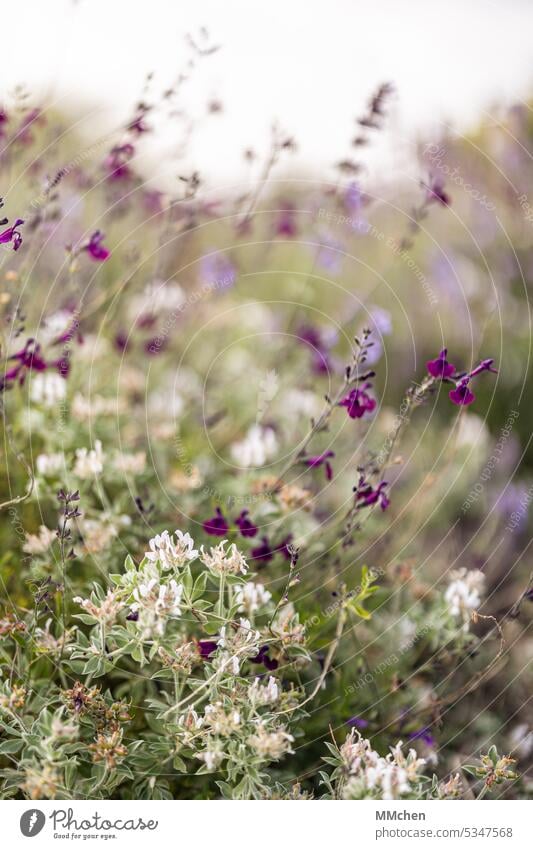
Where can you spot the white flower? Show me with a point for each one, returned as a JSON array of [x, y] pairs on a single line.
[[155, 603], [212, 757], [250, 597], [49, 464], [221, 722], [258, 446], [96, 535], [84, 409], [222, 562], [238, 643], [39, 543], [48, 389], [55, 325], [133, 464], [271, 744], [89, 462], [374, 776], [169, 552], [106, 611], [263, 694], [464, 593]]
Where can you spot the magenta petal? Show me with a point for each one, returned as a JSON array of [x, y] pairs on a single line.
[[461, 395]]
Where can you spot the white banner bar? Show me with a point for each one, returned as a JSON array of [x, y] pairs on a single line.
[[264, 825]]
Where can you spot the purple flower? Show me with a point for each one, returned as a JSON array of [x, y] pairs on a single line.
[[263, 657], [381, 319], [117, 163], [353, 198], [245, 525], [435, 192], [440, 367], [133, 616], [423, 734], [207, 647], [4, 119], [12, 235], [263, 552], [217, 525], [218, 270], [357, 722], [95, 248], [286, 222], [331, 254], [359, 402], [28, 359], [461, 395], [485, 365], [320, 348], [321, 460], [121, 341], [367, 496]]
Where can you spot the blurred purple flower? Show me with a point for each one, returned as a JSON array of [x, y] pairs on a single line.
[[245, 525], [330, 254], [218, 270], [117, 163], [357, 722], [95, 248], [217, 526], [286, 222], [263, 552], [425, 735], [321, 460]]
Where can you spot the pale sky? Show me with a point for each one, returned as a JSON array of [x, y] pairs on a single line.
[[309, 64]]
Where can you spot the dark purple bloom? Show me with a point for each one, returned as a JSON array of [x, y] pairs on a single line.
[[263, 657], [24, 134], [133, 616], [28, 359], [367, 496], [155, 345], [95, 248], [263, 552], [245, 525], [320, 345], [207, 647], [217, 526], [319, 460], [117, 163], [462, 395], [357, 722], [4, 119], [435, 192], [440, 367], [423, 734], [283, 547], [121, 341], [359, 402], [12, 235], [286, 222]]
